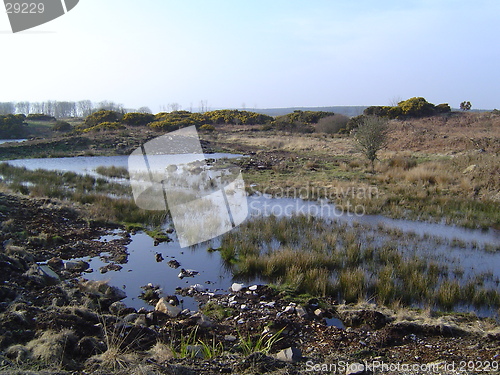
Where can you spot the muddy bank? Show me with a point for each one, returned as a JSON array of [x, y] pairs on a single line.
[[52, 318], [100, 144]]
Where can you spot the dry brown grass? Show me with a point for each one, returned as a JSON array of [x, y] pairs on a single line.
[[446, 134]]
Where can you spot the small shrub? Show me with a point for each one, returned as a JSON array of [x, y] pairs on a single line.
[[332, 124], [62, 126], [137, 119], [101, 116], [104, 126], [207, 128], [402, 162]]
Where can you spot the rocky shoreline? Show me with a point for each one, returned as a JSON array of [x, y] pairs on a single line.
[[53, 320]]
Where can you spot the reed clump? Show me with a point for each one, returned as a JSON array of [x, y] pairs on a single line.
[[351, 263]]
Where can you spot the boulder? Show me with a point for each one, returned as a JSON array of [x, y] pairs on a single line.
[[165, 307]]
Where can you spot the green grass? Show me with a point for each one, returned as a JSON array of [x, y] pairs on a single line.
[[262, 343]]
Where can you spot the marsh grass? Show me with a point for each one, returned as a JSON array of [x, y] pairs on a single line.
[[113, 172], [191, 345], [262, 343], [119, 354], [102, 200], [427, 187], [352, 263]]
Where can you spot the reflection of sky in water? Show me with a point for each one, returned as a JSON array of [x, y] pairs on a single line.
[[142, 268], [11, 140], [86, 164]]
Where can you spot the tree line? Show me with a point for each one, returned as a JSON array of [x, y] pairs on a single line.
[[63, 109]]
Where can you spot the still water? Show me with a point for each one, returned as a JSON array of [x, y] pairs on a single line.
[[142, 268]]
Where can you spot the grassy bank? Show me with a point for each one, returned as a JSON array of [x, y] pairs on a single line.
[[100, 199]]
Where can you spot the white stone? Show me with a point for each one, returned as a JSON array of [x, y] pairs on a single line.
[[164, 307], [236, 287]]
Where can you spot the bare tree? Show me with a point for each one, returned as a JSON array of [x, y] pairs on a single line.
[[203, 106], [85, 108], [371, 136], [23, 107], [144, 110], [7, 108], [173, 107]]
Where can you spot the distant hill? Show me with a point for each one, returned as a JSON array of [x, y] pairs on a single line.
[[344, 110]]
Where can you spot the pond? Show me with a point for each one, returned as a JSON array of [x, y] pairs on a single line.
[[465, 249], [87, 164]]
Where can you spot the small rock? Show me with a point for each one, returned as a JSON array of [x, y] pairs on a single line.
[[230, 338], [357, 369], [289, 309], [130, 318], [301, 312], [173, 264], [319, 313], [236, 287], [79, 265], [141, 320], [291, 355], [195, 351], [198, 287], [116, 308], [187, 273], [253, 287], [244, 307], [470, 168], [164, 307], [55, 263], [202, 320]]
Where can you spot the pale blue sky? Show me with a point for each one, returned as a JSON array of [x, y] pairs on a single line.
[[271, 53]]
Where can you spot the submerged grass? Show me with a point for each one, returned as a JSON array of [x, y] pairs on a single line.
[[352, 262]]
